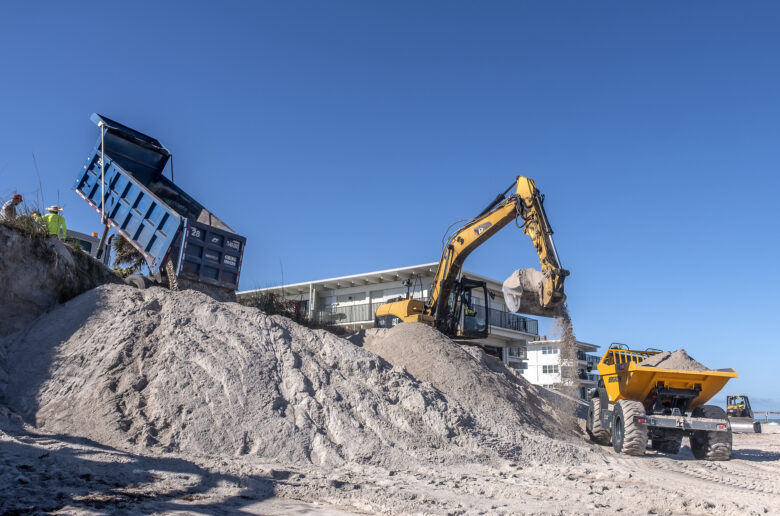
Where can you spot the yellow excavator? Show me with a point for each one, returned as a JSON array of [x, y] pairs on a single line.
[[450, 307]]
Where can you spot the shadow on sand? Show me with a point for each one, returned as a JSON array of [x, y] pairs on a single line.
[[44, 473]]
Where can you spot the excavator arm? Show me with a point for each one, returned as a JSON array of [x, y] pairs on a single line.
[[534, 292], [541, 293]]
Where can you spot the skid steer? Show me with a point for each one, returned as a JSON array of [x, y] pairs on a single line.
[[741, 415]]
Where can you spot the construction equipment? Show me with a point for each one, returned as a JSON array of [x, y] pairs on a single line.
[[741, 415], [181, 240], [634, 403], [450, 305]]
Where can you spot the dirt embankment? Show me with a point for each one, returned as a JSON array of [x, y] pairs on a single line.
[[38, 272]]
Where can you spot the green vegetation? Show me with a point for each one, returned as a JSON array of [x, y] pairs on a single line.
[[127, 259], [25, 224], [272, 304]]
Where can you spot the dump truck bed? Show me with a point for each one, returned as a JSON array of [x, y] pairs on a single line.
[[625, 378], [154, 214]]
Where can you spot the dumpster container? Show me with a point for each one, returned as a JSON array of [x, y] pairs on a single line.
[[174, 232]]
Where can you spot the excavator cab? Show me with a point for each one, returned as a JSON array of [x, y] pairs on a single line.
[[465, 318]]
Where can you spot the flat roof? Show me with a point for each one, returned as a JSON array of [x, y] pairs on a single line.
[[367, 278]]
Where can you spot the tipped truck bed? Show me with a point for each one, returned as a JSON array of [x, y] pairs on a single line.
[[156, 216]]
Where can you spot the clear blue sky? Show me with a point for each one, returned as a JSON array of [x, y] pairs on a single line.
[[344, 137]]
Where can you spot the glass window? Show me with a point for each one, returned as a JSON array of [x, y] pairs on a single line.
[[516, 351]]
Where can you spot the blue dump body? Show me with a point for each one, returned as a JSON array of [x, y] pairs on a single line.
[[156, 216]]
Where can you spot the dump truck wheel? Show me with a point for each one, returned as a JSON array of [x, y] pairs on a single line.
[[628, 436], [593, 426], [711, 445], [670, 446], [137, 281]]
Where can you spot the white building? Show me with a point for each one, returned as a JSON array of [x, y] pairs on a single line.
[[544, 364], [351, 302]]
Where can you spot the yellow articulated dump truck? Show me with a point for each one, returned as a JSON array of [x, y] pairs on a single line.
[[636, 403]]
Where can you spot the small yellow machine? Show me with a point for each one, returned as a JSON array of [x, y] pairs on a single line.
[[741, 415], [450, 307], [635, 403]]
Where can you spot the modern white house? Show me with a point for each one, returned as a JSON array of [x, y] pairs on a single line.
[[351, 302]]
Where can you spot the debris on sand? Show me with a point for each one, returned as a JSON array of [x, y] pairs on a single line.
[[675, 360]]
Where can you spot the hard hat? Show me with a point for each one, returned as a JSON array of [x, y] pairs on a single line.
[[17, 196], [54, 208]]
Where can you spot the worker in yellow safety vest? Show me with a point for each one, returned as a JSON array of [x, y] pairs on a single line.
[[54, 221]]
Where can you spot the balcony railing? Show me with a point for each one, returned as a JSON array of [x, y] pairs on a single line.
[[592, 360], [334, 314], [511, 321], [588, 376]]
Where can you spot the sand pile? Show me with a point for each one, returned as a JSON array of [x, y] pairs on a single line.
[[511, 409], [181, 372], [675, 360]]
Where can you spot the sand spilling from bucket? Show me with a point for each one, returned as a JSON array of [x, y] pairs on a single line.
[[674, 360]]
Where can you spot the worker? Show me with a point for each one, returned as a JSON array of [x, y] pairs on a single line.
[[9, 208], [55, 221], [36, 216]]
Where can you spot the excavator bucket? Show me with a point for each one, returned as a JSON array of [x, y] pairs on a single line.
[[524, 292]]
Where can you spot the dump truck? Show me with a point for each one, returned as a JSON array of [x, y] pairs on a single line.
[[183, 243], [636, 403]]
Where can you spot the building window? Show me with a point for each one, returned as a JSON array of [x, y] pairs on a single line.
[[549, 369], [357, 297], [516, 352], [549, 350]]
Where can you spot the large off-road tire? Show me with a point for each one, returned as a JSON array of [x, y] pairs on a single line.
[[628, 436], [670, 445], [593, 426], [711, 445]]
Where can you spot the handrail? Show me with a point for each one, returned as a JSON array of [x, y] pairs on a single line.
[[622, 356]]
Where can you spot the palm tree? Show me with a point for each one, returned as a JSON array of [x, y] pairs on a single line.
[[126, 256]]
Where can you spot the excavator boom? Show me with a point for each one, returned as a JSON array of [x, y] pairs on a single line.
[[532, 291]]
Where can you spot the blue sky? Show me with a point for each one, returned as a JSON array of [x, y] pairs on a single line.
[[344, 137]]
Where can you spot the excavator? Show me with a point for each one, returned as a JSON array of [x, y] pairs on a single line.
[[450, 306]]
